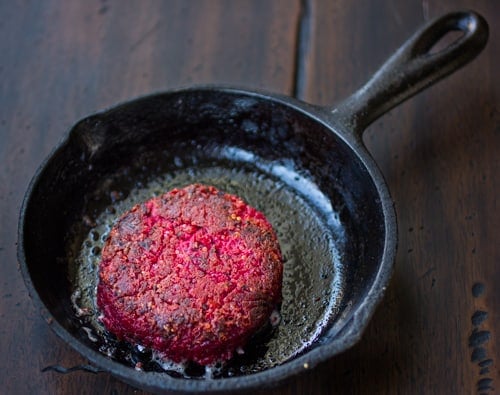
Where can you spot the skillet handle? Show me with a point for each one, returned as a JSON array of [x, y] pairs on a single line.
[[414, 67]]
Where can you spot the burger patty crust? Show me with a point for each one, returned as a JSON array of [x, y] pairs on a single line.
[[192, 274]]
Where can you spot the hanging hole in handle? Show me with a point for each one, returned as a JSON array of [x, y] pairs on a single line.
[[450, 33], [446, 41]]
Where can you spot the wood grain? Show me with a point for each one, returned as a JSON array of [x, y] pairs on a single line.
[[64, 60], [437, 329], [439, 154]]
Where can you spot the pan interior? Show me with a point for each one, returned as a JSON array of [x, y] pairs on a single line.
[[312, 282], [306, 180]]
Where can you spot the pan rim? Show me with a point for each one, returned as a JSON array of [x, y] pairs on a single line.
[[351, 331]]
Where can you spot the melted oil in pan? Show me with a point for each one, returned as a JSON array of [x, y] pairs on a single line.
[[309, 234]]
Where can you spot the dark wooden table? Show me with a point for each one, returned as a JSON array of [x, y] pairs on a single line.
[[437, 328]]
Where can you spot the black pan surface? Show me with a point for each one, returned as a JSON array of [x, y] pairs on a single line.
[[307, 181]]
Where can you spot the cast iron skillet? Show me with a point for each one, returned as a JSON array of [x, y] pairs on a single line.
[[304, 166]]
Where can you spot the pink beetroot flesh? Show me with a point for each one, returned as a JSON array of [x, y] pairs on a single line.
[[193, 274]]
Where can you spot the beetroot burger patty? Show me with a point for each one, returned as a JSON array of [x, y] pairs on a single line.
[[192, 274]]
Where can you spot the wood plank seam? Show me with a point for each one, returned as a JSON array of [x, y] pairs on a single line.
[[302, 47]]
